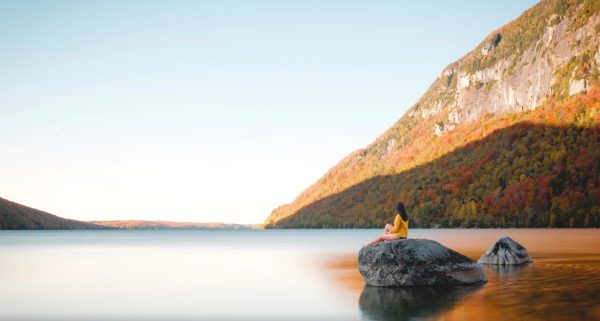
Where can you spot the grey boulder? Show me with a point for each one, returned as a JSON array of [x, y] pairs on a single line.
[[506, 252], [414, 262]]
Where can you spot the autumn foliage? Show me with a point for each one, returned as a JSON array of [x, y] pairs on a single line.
[[532, 169]]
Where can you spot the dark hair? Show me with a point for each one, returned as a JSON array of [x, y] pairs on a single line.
[[401, 210]]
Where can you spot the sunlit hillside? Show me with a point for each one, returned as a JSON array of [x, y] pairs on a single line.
[[505, 136]]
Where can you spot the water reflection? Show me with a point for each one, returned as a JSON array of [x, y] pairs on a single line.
[[506, 271], [405, 303], [563, 282], [281, 275]]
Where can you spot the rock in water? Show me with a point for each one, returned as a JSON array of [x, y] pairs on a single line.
[[506, 252], [414, 262]]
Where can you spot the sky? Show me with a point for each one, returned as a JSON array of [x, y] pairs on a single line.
[[209, 111]]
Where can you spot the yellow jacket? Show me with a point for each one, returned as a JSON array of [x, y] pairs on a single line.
[[400, 227]]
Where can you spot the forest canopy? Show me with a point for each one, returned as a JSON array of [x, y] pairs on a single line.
[[532, 169]]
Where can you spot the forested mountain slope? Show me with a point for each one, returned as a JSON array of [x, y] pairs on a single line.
[[505, 136], [15, 216]]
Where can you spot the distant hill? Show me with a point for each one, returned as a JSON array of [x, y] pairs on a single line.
[[153, 225], [15, 216], [505, 136]]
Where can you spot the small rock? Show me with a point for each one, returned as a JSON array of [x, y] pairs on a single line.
[[413, 262], [454, 117], [491, 45], [577, 86], [388, 147], [438, 129], [506, 252], [464, 81], [448, 74]]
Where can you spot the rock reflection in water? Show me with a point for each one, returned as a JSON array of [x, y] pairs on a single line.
[[506, 271], [406, 303]]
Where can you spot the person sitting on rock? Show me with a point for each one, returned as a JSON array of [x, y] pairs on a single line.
[[397, 231]]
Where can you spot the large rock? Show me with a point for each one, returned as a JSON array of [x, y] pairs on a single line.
[[414, 262], [506, 252]]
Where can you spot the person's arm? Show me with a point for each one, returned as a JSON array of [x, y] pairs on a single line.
[[396, 224]]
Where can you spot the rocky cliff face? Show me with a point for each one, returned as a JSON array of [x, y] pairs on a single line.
[[550, 52], [514, 82]]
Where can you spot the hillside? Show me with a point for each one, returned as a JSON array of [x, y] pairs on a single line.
[[505, 136], [15, 216], [153, 225]]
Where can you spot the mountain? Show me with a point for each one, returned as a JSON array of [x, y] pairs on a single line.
[[505, 136], [154, 225], [15, 216]]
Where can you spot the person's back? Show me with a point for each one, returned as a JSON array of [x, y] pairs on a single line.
[[400, 226], [400, 222], [398, 231]]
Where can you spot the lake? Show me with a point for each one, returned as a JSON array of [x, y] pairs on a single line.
[[281, 274]]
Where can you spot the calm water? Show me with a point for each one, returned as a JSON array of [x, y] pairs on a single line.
[[282, 274]]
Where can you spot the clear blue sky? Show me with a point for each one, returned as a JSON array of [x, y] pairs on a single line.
[[209, 110]]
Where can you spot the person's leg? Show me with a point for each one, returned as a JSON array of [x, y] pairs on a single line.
[[389, 237], [375, 241], [383, 237], [388, 228]]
